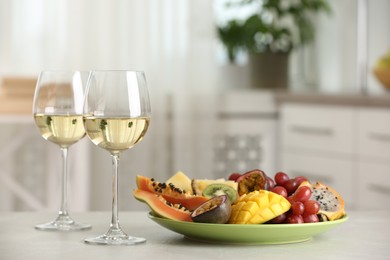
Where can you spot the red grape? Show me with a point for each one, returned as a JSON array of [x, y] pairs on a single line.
[[311, 207], [280, 178], [302, 194], [297, 208], [290, 199], [300, 179], [280, 190], [291, 185], [234, 176], [294, 219], [310, 218], [271, 182], [279, 219]]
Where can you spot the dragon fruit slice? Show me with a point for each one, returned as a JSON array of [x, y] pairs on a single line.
[[331, 202]]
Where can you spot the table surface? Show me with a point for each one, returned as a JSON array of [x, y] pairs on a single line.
[[366, 235]]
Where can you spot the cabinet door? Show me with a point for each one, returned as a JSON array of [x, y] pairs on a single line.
[[374, 186], [244, 144], [374, 133], [336, 173], [315, 127]]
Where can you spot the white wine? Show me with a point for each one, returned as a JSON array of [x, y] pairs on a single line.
[[116, 134], [63, 130]]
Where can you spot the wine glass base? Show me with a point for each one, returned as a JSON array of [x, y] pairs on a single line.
[[106, 240], [63, 223], [115, 236]]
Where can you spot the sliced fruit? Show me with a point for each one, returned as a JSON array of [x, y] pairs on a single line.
[[181, 181], [258, 207], [171, 193], [251, 181], [161, 207], [331, 202], [218, 189], [216, 210], [198, 185]]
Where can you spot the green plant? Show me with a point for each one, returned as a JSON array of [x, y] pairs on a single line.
[[276, 26]]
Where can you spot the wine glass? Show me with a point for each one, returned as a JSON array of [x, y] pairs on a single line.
[[58, 114], [116, 117]]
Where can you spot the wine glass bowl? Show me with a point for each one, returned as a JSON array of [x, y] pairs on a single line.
[[58, 114], [63, 130], [116, 118], [116, 134]]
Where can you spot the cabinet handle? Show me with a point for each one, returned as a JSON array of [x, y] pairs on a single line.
[[379, 137], [311, 130], [379, 188], [312, 177]]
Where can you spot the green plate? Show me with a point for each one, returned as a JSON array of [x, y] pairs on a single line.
[[246, 233]]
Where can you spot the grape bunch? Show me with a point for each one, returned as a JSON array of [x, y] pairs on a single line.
[[303, 209]]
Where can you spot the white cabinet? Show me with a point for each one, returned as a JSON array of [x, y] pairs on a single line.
[[373, 190], [346, 147], [318, 127], [374, 133], [374, 158]]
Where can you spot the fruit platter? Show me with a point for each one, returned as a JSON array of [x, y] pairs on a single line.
[[248, 208]]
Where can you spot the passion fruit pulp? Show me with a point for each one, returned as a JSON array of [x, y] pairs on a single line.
[[251, 181], [216, 210]]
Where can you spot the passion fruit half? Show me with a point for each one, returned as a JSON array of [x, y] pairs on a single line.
[[216, 210], [251, 181]]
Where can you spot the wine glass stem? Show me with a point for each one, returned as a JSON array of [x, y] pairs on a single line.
[[115, 218], [64, 189]]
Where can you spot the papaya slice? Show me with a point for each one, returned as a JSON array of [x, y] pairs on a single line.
[[170, 193], [161, 207]]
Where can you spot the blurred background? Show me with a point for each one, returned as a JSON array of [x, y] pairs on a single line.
[[319, 108]]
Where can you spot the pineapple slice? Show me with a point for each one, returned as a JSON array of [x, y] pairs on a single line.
[[198, 185], [258, 207], [181, 181]]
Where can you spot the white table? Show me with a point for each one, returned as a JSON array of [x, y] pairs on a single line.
[[366, 235]]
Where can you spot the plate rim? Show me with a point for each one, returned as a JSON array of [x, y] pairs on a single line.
[[268, 225], [306, 231]]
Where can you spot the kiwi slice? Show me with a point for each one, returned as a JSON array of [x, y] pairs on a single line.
[[217, 189]]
